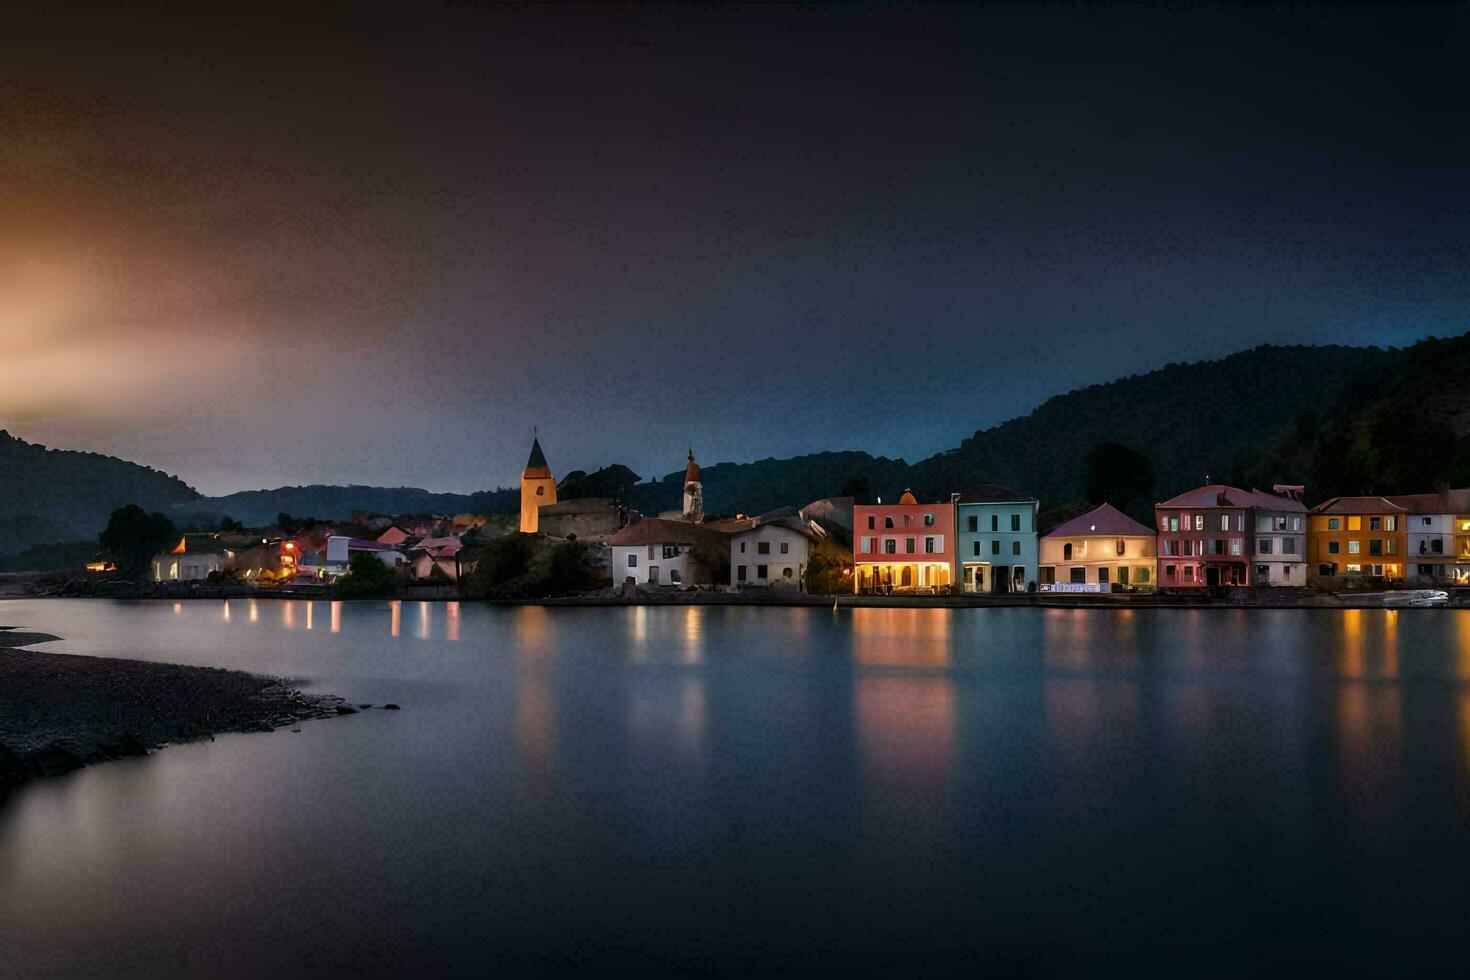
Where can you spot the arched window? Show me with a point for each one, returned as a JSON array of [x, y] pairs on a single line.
[[887, 522], [908, 576], [928, 520], [1067, 551], [1121, 547]]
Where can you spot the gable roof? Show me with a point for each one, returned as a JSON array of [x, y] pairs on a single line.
[[1221, 495], [1106, 520], [661, 530], [994, 493], [1446, 502], [1358, 505]]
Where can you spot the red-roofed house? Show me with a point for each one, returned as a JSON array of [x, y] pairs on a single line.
[[1354, 539], [1092, 553], [1220, 535], [662, 551]]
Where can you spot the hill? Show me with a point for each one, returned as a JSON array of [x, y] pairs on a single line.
[[59, 494]]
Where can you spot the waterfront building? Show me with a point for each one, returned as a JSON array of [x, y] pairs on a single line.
[[1101, 548], [1436, 538], [1357, 541], [432, 553], [193, 559], [772, 551], [537, 488], [995, 538], [661, 551], [903, 547], [1218, 535]]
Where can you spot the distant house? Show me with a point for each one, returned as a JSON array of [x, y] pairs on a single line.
[[660, 551], [1102, 548], [341, 548], [1356, 538], [393, 536], [995, 533], [1436, 537], [772, 551], [906, 546], [193, 559], [1220, 535], [432, 553]]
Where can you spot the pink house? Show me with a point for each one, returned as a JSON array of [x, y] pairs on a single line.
[[903, 547]]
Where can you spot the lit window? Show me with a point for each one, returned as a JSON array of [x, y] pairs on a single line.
[[1355, 547]]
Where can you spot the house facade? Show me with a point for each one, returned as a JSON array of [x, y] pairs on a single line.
[[995, 540], [661, 551], [771, 554], [1356, 541], [1213, 536], [903, 547], [1097, 551], [192, 559], [1436, 538]]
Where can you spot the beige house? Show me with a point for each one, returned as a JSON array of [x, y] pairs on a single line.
[[1098, 550]]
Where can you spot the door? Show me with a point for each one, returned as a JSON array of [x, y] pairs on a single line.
[[1212, 576], [1000, 578], [653, 574]]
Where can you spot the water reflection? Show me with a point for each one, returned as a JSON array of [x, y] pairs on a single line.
[[288, 614], [254, 611], [309, 606], [887, 637], [451, 622], [336, 615], [693, 649], [395, 616], [226, 613], [424, 623]]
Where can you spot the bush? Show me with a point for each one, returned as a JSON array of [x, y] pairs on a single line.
[[367, 577]]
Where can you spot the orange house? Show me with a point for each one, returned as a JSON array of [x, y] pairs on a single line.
[[903, 547], [1351, 540]]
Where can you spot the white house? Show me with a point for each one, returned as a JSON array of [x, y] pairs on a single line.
[[192, 559], [661, 551], [773, 552]]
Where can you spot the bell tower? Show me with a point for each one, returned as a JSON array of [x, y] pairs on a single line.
[[693, 491], [537, 488]]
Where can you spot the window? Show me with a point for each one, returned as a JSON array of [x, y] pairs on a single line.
[[1390, 523], [1288, 546], [1015, 522], [907, 520], [890, 546], [994, 547], [1140, 575], [1263, 546], [540, 491], [887, 522], [1286, 571], [929, 546], [928, 520], [1169, 571], [865, 546], [1102, 575], [976, 545], [1354, 547], [1375, 547], [1199, 522], [632, 561], [1355, 523], [673, 575], [1333, 547], [1353, 569], [1066, 550], [995, 522], [1185, 519], [1078, 576], [1263, 573], [762, 571], [1123, 575], [1189, 573], [1188, 547], [908, 546], [974, 523], [671, 551], [1296, 523], [1173, 523], [1426, 569], [1224, 522], [1375, 524], [1235, 546], [1279, 524], [1015, 547], [1390, 546], [871, 522], [740, 573], [1437, 546], [785, 547], [1120, 547], [1426, 524], [787, 573], [763, 547], [1333, 524], [651, 553], [1327, 569]]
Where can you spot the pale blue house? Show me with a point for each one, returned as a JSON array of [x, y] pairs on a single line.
[[995, 535]]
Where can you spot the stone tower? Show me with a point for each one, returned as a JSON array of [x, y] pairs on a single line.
[[538, 488], [693, 491]]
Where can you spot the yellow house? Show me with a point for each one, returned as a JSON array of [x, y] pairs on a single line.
[[1098, 550]]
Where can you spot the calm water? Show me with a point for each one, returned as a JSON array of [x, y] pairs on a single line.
[[767, 789]]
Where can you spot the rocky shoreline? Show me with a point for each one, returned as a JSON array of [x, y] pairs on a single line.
[[59, 712]]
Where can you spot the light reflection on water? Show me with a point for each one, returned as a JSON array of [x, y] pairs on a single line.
[[637, 773]]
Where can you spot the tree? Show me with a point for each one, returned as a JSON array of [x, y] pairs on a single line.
[[367, 577], [228, 523], [1117, 475], [133, 536]]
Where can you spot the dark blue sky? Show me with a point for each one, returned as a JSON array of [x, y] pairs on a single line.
[[261, 248]]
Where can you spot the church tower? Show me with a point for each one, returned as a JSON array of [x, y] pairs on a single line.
[[538, 488], [693, 491]]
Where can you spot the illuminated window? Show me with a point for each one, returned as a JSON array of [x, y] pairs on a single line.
[[1199, 522], [1355, 547], [1355, 523], [1390, 523], [1224, 522]]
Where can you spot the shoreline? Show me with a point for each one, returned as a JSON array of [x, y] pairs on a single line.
[[60, 712]]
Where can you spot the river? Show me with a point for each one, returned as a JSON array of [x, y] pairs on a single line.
[[741, 790]]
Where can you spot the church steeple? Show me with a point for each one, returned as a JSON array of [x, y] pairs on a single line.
[[693, 491], [538, 488]]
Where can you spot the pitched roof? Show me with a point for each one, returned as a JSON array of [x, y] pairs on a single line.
[[1221, 495], [691, 472], [660, 530], [993, 493], [439, 547], [1358, 505], [1447, 502], [1105, 520]]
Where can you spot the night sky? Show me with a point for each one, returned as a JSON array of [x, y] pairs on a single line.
[[259, 248]]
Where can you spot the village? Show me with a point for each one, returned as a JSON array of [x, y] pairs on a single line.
[[1213, 541]]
